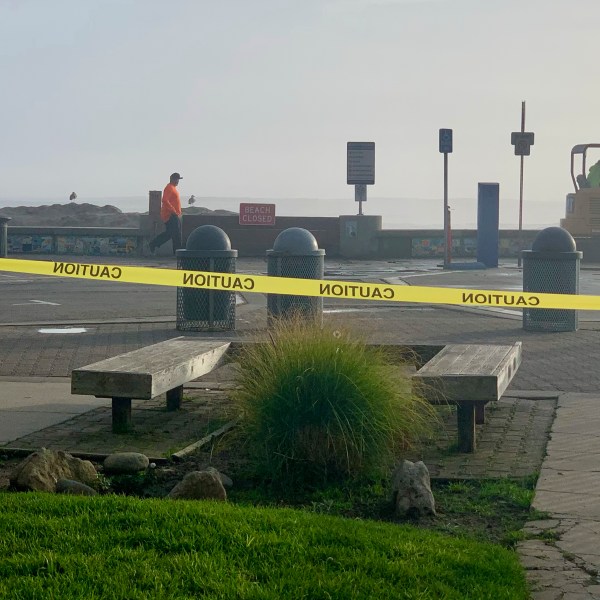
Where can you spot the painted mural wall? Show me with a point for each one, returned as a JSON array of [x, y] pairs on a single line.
[[77, 245], [31, 244], [433, 247], [464, 247], [405, 244]]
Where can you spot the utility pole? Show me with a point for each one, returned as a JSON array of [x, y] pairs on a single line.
[[445, 141], [522, 141]]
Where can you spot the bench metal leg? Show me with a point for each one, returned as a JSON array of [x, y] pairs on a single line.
[[174, 398], [121, 415], [465, 417]]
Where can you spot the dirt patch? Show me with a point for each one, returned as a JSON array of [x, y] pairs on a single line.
[[155, 482]]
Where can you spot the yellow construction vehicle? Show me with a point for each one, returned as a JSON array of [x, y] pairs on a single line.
[[582, 215]]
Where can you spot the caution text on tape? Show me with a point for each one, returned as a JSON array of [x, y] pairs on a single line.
[[234, 282]]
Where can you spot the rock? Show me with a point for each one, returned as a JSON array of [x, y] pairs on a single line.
[[76, 488], [411, 489], [41, 471], [125, 463], [82, 214], [199, 485], [70, 214], [226, 481]]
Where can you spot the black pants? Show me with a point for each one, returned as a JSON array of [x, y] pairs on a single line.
[[172, 232]]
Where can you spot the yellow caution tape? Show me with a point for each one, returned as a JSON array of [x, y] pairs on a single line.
[[263, 284]]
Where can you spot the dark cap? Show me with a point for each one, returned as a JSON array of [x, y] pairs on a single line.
[[176, 176]]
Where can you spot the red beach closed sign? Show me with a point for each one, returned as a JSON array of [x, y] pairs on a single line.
[[257, 214]]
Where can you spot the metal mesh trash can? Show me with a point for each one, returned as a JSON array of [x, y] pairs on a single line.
[[208, 249], [295, 253], [551, 266]]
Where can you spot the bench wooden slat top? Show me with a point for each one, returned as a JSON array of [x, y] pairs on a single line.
[[469, 372], [150, 371]]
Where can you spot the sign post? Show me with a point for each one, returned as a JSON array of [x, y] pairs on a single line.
[[522, 141], [446, 148], [360, 169]]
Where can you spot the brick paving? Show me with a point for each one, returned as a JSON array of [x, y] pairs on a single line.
[[511, 443], [563, 559], [551, 361], [27, 353]]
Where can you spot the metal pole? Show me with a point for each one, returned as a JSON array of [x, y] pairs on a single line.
[[360, 194], [447, 250], [4, 236], [521, 188], [449, 238]]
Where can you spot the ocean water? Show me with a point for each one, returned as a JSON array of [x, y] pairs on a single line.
[[397, 213]]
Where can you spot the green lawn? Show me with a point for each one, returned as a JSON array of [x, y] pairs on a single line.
[[118, 547]]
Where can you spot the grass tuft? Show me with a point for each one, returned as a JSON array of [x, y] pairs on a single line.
[[320, 405]]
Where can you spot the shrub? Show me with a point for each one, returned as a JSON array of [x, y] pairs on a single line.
[[319, 404]]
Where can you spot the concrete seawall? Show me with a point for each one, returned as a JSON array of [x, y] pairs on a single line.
[[338, 236]]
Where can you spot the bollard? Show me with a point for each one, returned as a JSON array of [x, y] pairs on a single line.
[[551, 266], [4, 236], [295, 253], [488, 203], [208, 249]]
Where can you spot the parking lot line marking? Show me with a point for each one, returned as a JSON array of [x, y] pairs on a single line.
[[37, 302]]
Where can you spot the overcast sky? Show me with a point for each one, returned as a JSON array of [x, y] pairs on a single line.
[[259, 97]]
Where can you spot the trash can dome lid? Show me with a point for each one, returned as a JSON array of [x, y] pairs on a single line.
[[295, 240], [208, 238], [554, 239]]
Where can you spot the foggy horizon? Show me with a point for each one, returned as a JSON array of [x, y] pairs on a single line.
[[396, 213], [259, 99]]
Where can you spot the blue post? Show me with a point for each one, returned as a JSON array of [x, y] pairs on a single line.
[[488, 223]]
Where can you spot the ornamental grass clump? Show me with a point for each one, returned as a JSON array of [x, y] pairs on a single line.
[[318, 405]]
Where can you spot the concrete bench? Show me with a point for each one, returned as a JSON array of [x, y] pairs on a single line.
[[148, 372], [468, 376]]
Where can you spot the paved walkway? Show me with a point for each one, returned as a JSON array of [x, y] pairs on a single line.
[[37, 404], [563, 559], [565, 563]]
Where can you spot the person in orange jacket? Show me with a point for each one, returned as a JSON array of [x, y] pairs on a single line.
[[170, 214]]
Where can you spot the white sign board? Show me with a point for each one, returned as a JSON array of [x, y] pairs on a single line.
[[361, 163]]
